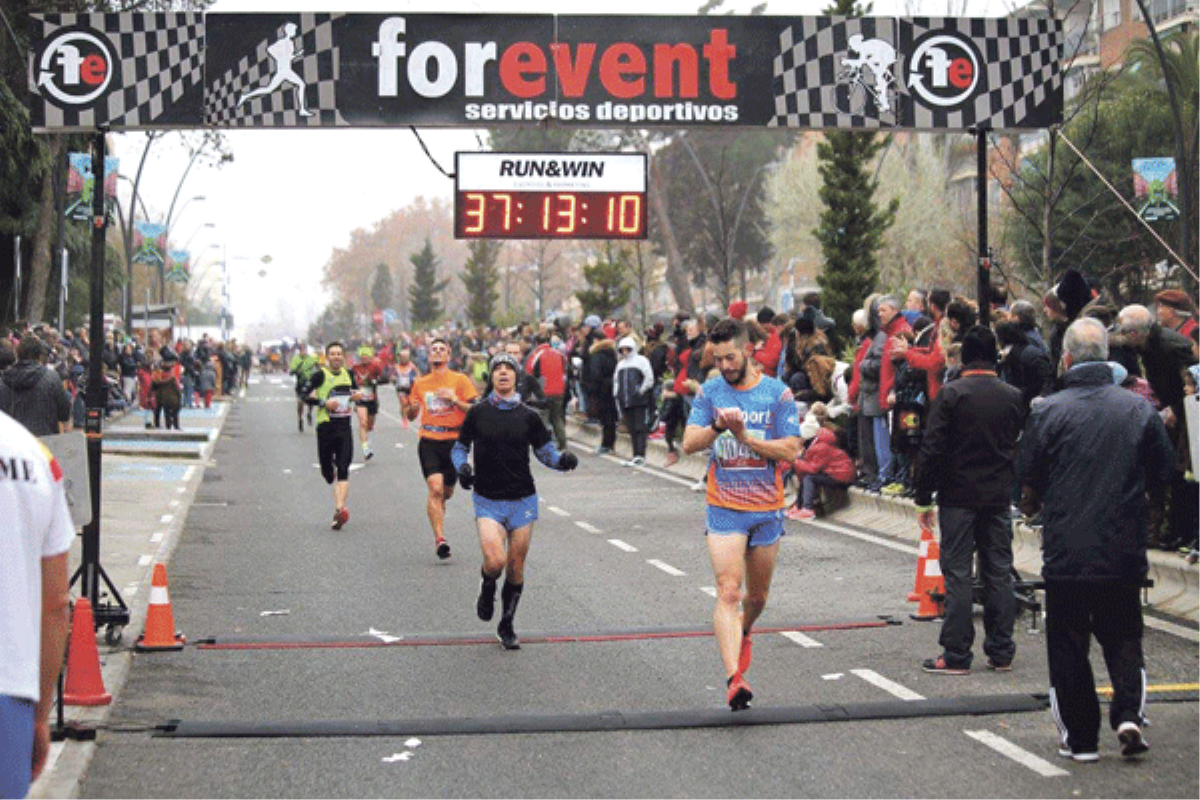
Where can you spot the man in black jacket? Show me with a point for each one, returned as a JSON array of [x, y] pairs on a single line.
[[33, 394], [967, 457], [1088, 454]]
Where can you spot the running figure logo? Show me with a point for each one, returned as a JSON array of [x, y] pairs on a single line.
[[283, 53], [878, 56]]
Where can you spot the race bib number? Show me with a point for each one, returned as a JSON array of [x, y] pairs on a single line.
[[732, 454], [368, 394], [341, 406]]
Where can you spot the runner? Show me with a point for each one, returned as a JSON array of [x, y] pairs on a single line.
[[749, 421], [441, 398], [405, 373], [503, 429], [332, 389], [283, 52], [303, 366], [368, 372]]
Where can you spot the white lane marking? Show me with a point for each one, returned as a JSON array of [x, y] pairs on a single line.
[[665, 567], [384, 637], [833, 676], [1023, 757], [287, 472], [145, 561], [587, 526], [166, 519], [413, 742], [188, 473], [405, 756], [157, 537], [1191, 634], [556, 510], [866, 537], [628, 548], [873, 677], [711, 591], [800, 639]]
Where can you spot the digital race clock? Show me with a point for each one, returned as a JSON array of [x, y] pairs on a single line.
[[550, 196]]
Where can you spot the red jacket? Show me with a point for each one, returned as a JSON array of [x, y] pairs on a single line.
[[551, 366], [887, 371], [930, 359], [767, 354], [823, 456]]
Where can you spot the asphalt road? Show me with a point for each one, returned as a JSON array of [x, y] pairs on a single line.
[[616, 551]]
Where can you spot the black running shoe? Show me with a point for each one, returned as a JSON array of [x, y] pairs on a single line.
[[485, 606], [443, 548], [300, 423], [739, 694], [507, 636]]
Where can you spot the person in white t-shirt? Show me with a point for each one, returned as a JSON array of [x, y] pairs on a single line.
[[34, 601]]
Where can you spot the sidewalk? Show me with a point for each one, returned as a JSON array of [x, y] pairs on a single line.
[[149, 479], [1176, 589]]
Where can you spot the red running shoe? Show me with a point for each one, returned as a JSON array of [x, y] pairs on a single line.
[[340, 518], [739, 694], [746, 655]]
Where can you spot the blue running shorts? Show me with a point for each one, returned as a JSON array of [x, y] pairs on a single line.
[[16, 745], [512, 514], [761, 527]]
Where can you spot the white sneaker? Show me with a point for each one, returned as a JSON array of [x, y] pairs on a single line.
[[637, 461], [1133, 744], [700, 485], [368, 454], [1066, 752]]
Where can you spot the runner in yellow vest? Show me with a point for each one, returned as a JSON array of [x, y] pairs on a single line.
[[334, 391]]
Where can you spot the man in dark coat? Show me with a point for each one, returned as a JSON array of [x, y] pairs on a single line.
[[33, 394], [967, 457], [1087, 456]]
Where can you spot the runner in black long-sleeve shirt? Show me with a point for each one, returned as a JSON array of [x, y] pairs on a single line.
[[503, 430]]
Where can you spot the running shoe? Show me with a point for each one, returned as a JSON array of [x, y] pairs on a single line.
[[507, 636], [746, 655], [892, 490], [443, 548], [340, 518], [939, 666], [800, 513], [672, 459], [368, 454], [739, 694], [999, 666], [1133, 744], [300, 423], [636, 461], [603, 451]]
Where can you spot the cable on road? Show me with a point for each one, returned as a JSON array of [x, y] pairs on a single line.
[[463, 639], [608, 720]]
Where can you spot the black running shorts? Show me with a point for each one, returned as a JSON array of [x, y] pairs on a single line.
[[335, 450], [435, 458]]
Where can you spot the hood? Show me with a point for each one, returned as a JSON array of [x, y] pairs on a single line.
[[24, 375], [630, 343], [603, 344]]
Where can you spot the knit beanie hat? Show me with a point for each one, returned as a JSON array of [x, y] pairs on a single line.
[[737, 309]]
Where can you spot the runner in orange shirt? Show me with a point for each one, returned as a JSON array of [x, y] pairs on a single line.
[[441, 398]]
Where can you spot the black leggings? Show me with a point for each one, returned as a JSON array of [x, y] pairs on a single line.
[[335, 450]]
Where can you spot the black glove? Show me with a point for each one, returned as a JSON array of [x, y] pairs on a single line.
[[568, 462], [466, 476]]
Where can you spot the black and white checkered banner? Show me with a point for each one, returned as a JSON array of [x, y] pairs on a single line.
[[476, 70]]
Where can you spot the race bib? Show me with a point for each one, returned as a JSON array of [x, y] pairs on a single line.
[[729, 453]]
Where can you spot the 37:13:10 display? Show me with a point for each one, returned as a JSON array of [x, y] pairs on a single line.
[[553, 215]]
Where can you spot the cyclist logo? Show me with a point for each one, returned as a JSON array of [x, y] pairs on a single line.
[[856, 92]]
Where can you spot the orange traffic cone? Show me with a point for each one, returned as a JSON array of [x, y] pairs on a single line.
[[160, 621], [932, 589], [922, 556], [84, 684]]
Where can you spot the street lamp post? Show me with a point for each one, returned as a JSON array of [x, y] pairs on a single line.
[[171, 219]]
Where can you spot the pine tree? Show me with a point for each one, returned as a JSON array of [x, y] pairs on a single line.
[[381, 287], [608, 284], [480, 276], [424, 303], [851, 227]]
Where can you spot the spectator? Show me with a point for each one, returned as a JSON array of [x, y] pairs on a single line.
[[1062, 305], [808, 363], [552, 370], [207, 383], [1023, 365], [677, 399], [915, 306], [822, 465], [1165, 355], [598, 383], [863, 391], [891, 324], [768, 351], [167, 399], [35, 540], [1175, 311], [737, 309], [33, 394], [1089, 454], [967, 458], [908, 403], [633, 383], [1024, 314]]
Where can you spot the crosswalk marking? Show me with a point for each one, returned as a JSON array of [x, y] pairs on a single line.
[[873, 677], [628, 548], [1023, 757], [588, 527], [665, 567]]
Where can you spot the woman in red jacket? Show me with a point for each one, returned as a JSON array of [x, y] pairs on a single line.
[[822, 463]]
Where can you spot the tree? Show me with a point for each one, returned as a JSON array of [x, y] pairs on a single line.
[[424, 301], [480, 276], [381, 288], [851, 226], [608, 283], [337, 321]]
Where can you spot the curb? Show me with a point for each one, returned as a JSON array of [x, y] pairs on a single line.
[[1176, 590]]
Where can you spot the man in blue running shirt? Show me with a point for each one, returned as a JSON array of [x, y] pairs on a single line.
[[749, 420]]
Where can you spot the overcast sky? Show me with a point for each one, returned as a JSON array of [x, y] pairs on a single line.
[[295, 195]]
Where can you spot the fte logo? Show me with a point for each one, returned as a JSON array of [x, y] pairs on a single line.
[[944, 69], [75, 67]]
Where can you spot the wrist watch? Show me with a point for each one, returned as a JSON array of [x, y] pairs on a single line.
[[713, 425]]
